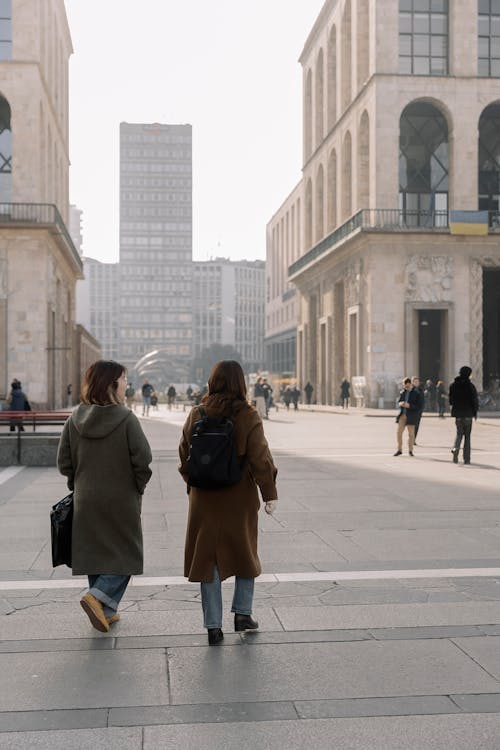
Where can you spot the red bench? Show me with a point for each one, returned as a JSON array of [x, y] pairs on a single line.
[[33, 418]]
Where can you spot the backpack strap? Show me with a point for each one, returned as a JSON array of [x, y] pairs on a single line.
[[202, 411]]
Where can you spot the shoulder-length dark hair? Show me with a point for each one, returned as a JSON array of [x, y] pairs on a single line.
[[100, 383], [226, 387]]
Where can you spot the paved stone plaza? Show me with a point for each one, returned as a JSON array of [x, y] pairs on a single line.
[[379, 606]]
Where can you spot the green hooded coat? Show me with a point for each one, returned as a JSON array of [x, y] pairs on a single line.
[[105, 455]]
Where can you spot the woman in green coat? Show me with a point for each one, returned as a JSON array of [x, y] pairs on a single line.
[[105, 456], [222, 530]]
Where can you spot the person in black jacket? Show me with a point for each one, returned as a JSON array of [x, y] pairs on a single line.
[[410, 406], [464, 406]]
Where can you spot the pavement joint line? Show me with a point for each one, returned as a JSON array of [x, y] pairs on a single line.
[[9, 473], [342, 575]]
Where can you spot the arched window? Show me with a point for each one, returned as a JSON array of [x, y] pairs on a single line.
[[346, 177], [423, 165], [308, 217], [332, 78], [332, 191], [319, 98], [488, 42], [308, 116], [320, 225], [489, 162], [6, 30], [346, 56], [5, 152], [363, 42], [364, 162]]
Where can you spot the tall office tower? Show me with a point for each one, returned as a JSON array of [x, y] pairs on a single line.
[[228, 307], [75, 227], [156, 251]]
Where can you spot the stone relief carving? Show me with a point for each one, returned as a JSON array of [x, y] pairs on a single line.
[[429, 278], [353, 282]]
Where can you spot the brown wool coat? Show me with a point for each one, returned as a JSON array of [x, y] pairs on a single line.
[[105, 456], [222, 524]]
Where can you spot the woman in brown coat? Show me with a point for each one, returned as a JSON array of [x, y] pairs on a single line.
[[105, 456], [221, 537]]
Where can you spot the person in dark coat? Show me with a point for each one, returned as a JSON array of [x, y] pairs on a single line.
[[105, 456], [308, 390], [17, 402], [295, 397], [345, 388], [409, 407], [221, 536], [441, 397], [464, 405]]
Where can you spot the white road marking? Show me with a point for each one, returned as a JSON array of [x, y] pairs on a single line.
[[9, 472], [333, 575]]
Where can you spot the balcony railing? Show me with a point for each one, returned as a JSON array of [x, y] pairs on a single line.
[[41, 214], [386, 220]]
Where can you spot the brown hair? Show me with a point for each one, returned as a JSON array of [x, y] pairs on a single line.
[[100, 381], [226, 385]]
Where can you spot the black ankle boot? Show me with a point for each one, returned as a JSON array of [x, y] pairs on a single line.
[[244, 622], [215, 635]]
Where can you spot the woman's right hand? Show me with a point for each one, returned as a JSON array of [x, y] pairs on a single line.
[[271, 506]]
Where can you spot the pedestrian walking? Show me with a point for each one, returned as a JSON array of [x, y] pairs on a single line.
[[17, 402], [286, 397], [129, 396], [430, 396], [421, 401], [345, 389], [308, 390], [259, 398], [409, 406], [147, 392], [295, 397], [105, 456], [222, 528], [441, 397], [154, 401], [267, 392], [171, 396], [464, 405]]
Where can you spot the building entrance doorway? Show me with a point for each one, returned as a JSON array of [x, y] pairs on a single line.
[[491, 328], [431, 344]]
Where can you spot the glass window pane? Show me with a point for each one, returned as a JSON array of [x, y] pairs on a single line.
[[421, 66], [495, 46], [439, 6], [495, 68], [5, 30], [420, 44], [439, 24], [405, 65], [5, 50], [495, 25], [438, 66], [421, 5], [483, 67], [405, 23], [495, 7], [5, 8], [421, 23], [483, 26], [438, 46], [483, 47], [484, 7], [405, 5], [405, 44]]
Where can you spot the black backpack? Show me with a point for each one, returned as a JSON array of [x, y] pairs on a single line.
[[213, 462]]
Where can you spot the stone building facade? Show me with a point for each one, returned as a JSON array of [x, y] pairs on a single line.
[[401, 120], [39, 264]]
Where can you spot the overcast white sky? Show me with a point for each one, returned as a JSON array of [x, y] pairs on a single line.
[[230, 69]]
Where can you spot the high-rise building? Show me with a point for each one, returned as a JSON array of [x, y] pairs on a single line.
[[399, 268], [75, 227], [228, 307], [97, 304], [156, 250], [39, 264]]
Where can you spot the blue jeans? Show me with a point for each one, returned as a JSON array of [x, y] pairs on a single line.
[[464, 427], [211, 599], [109, 590]]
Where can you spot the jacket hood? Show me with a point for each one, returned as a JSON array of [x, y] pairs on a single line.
[[93, 421]]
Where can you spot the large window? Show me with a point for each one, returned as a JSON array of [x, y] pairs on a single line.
[[5, 152], [423, 37], [5, 29], [488, 43], [489, 162], [423, 165]]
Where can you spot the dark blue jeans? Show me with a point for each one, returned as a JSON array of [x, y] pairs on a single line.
[[464, 427]]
